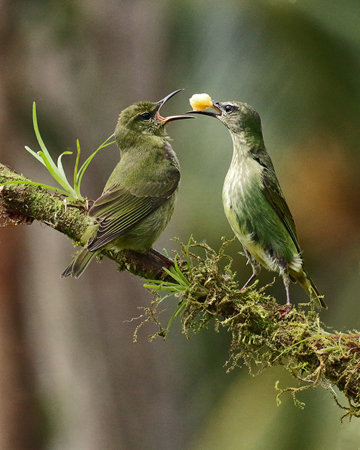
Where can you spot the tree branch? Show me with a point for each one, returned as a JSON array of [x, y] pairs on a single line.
[[23, 203], [206, 293]]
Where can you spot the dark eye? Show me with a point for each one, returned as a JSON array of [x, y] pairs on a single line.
[[230, 108], [145, 116]]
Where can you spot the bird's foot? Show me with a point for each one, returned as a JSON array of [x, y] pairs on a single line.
[[287, 308], [284, 311]]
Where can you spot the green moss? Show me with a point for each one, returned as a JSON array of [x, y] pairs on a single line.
[[260, 338]]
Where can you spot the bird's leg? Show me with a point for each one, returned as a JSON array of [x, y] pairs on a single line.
[[287, 308], [250, 280], [255, 267]]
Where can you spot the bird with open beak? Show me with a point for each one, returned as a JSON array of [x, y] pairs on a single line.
[[138, 199]]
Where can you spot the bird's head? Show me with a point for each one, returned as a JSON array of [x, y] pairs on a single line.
[[143, 118], [236, 116]]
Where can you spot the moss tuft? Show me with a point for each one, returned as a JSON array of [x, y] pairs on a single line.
[[207, 291]]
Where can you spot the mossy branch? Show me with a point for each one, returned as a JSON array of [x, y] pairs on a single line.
[[260, 339], [23, 202], [207, 291]]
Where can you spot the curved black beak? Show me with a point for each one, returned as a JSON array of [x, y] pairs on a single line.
[[168, 119], [168, 97], [208, 113], [204, 113]]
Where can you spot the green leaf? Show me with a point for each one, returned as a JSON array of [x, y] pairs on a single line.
[[55, 173], [41, 142], [89, 159], [35, 155], [60, 166], [33, 183], [177, 275], [78, 152], [57, 170]]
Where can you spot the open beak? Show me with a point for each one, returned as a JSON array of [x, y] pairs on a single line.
[[162, 102], [208, 113]]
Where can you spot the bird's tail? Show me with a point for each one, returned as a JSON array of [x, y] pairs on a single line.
[[79, 263], [307, 283]]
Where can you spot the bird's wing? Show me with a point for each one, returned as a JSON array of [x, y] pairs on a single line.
[[119, 209], [273, 194]]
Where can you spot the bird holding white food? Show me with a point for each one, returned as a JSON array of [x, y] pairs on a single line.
[[253, 200]]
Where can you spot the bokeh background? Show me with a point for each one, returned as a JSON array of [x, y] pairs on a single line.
[[70, 375]]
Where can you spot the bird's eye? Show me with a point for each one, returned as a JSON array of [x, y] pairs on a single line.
[[145, 116], [229, 108]]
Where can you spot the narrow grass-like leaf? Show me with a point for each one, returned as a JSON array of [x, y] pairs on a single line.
[[166, 286], [35, 155], [180, 274], [89, 159], [60, 166], [78, 152], [187, 250], [64, 183], [177, 276], [176, 313], [57, 170], [41, 142], [34, 183]]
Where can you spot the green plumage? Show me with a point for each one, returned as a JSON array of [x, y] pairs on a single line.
[[255, 205], [138, 199]]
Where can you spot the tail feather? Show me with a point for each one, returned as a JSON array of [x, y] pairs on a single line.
[[79, 263], [313, 291]]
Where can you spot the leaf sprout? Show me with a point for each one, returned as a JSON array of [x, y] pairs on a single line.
[[56, 170]]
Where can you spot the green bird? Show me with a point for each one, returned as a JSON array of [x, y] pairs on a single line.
[[138, 199], [255, 205]]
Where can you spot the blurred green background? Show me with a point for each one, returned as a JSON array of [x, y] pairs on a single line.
[[70, 375]]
